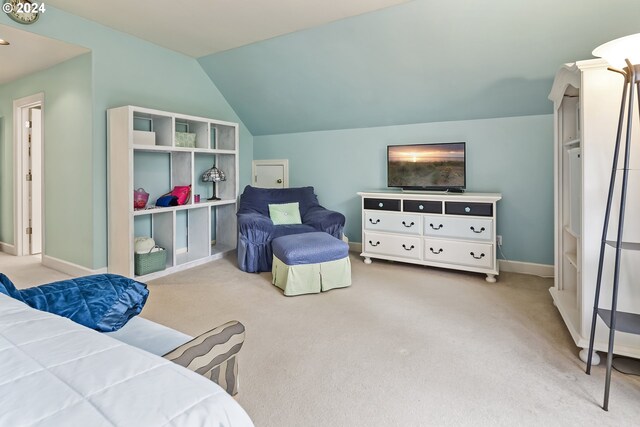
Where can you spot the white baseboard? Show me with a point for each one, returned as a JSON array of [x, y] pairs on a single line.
[[69, 268], [7, 248], [543, 270]]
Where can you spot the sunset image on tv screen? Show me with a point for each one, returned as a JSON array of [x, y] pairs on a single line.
[[438, 165]]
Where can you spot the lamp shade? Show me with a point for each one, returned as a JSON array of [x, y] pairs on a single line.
[[213, 175], [616, 51]]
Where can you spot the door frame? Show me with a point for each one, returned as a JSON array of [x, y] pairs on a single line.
[[21, 157], [271, 162]]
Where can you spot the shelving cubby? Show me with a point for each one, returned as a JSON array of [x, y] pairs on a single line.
[[193, 233]]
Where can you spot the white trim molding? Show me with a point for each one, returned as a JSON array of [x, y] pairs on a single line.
[[542, 270], [355, 247], [7, 248], [69, 268], [18, 173]]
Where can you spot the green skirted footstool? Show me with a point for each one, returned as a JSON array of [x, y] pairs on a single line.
[[309, 263]]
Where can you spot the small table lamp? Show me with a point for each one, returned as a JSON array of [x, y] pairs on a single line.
[[213, 175]]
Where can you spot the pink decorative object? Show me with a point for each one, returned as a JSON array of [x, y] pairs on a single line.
[[182, 192], [140, 198]]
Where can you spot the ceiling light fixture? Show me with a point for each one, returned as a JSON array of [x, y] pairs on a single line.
[[3, 42]]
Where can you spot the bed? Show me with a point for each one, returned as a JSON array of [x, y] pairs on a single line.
[[56, 372]]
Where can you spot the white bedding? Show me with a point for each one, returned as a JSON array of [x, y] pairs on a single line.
[[54, 372]]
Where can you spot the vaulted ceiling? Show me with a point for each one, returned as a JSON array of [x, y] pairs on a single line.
[[203, 27], [30, 52], [422, 61], [307, 65]]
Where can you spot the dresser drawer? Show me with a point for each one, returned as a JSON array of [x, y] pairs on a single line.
[[397, 246], [459, 228], [393, 222], [382, 204], [461, 253], [464, 208], [422, 206]]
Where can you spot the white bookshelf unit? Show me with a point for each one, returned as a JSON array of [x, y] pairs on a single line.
[[586, 99], [143, 154], [455, 231]]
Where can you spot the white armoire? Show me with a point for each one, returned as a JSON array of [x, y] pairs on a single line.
[[586, 99]]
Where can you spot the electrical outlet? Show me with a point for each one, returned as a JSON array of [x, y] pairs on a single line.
[[499, 240]]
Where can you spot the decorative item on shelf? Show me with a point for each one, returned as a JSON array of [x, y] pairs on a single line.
[[143, 244], [143, 133], [178, 196], [196, 198], [167, 200], [142, 137], [213, 175], [183, 193], [151, 261], [185, 139], [624, 57], [140, 198]]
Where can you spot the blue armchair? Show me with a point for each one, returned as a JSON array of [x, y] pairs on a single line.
[[256, 230]]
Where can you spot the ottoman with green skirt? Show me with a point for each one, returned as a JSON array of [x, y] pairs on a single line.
[[309, 263]]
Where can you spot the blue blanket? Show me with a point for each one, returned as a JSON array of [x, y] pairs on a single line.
[[104, 302]]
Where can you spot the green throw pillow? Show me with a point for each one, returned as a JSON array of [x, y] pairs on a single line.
[[285, 213]]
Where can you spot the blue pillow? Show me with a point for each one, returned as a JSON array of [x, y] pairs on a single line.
[[104, 302], [8, 288]]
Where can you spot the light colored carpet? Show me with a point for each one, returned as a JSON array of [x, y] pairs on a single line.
[[27, 271], [403, 346]]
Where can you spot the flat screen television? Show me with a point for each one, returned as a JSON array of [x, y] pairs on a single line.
[[439, 167]]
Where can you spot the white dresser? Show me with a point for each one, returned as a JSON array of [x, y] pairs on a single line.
[[437, 229]]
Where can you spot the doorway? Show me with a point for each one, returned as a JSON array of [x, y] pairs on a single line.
[[270, 173], [28, 128]]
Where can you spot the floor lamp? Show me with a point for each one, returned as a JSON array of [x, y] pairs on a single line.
[[623, 55]]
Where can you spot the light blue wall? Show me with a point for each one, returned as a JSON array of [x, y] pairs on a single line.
[[67, 157], [512, 156], [128, 70], [6, 182], [418, 62]]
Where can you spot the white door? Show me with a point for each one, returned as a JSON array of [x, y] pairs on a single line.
[[35, 195], [28, 126], [270, 173]]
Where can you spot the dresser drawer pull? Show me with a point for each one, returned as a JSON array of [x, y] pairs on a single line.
[[406, 248], [436, 228], [467, 209], [436, 252], [476, 231], [410, 225], [372, 222], [477, 257], [374, 244]]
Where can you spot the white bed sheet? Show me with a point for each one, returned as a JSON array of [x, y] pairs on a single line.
[[54, 372]]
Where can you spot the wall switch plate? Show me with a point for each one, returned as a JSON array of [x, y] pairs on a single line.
[[499, 240]]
